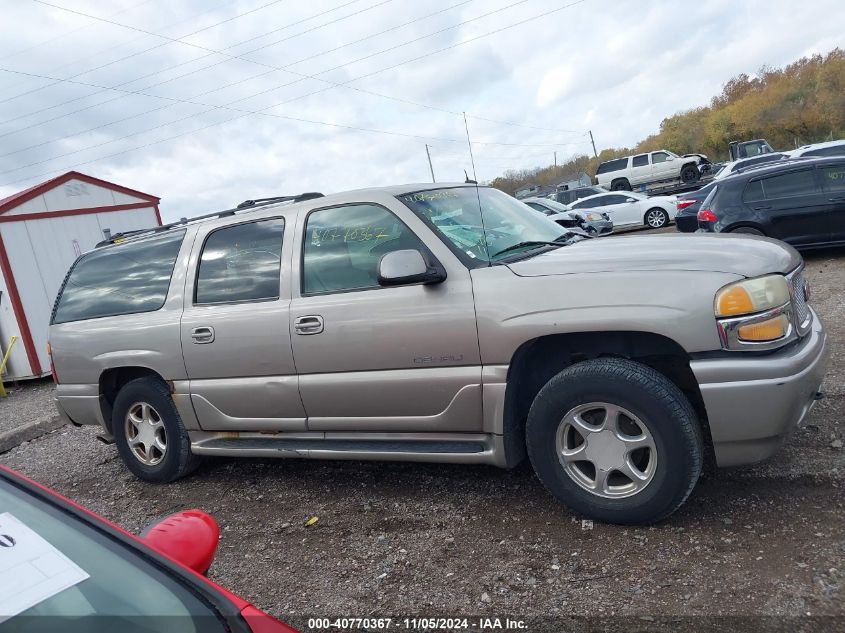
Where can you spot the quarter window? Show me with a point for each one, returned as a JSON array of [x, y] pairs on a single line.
[[122, 279], [343, 246], [641, 160], [833, 177], [241, 263], [753, 191], [612, 165], [794, 183]]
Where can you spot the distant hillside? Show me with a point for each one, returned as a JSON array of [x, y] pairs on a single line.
[[792, 106]]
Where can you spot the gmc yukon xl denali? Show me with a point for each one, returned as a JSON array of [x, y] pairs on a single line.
[[444, 323]]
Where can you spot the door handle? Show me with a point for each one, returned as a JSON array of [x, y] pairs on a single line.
[[201, 335], [767, 208], [311, 324]]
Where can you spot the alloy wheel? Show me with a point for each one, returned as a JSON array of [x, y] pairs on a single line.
[[145, 434], [655, 218], [606, 450]]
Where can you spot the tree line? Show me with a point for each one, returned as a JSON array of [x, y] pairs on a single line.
[[803, 102]]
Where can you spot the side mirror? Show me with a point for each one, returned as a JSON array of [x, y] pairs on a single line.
[[189, 537], [630, 199], [408, 266]]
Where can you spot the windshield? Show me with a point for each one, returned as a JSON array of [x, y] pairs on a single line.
[[482, 223], [74, 578]]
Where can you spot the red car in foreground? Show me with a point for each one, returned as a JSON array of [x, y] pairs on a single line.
[[64, 568]]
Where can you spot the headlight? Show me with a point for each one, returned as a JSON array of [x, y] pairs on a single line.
[[593, 217], [752, 295]]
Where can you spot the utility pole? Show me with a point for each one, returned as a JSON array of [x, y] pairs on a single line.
[[469, 144], [594, 144], [555, 159], [427, 153]]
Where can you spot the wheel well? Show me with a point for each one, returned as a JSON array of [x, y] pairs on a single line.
[[538, 360], [112, 381], [691, 164], [615, 180], [744, 225]]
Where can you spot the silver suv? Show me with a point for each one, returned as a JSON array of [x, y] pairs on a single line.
[[444, 323]]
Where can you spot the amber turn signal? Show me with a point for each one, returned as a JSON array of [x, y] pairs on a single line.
[[768, 330]]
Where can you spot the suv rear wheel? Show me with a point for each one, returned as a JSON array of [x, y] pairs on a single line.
[[615, 440], [621, 184], [149, 434]]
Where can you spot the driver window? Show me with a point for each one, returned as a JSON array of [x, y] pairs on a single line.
[[241, 263], [659, 157], [343, 246]]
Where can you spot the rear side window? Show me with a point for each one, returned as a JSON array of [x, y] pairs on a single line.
[[753, 191], [241, 263], [794, 183], [641, 160], [612, 165], [833, 177], [124, 279]]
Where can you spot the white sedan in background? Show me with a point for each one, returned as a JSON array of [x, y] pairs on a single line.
[[628, 208]]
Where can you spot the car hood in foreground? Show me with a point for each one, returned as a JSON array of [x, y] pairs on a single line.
[[737, 254]]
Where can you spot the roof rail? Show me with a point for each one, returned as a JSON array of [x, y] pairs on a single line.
[[251, 205]]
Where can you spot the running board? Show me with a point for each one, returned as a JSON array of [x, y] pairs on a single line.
[[423, 447]]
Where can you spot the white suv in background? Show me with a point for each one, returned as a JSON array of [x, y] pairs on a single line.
[[624, 173]]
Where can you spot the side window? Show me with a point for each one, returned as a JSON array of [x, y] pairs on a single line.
[[610, 200], [122, 279], [641, 160], [658, 157], [612, 165], [540, 208], [343, 246], [833, 177], [836, 150], [587, 204], [794, 183], [753, 191], [241, 263]]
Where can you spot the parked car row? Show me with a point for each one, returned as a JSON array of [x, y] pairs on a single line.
[[594, 223]]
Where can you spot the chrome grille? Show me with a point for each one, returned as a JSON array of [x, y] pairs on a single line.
[[799, 300]]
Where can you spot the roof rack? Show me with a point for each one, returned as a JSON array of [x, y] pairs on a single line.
[[251, 205]]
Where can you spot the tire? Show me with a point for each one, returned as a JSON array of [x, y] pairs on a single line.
[[690, 174], [747, 230], [620, 185], [149, 403], [656, 218], [652, 401]]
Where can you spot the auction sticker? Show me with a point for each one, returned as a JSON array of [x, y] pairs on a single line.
[[31, 570]]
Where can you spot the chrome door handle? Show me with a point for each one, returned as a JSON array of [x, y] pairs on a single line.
[[311, 324], [201, 335]]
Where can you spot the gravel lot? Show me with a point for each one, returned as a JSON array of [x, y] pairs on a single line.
[[403, 539], [28, 400]]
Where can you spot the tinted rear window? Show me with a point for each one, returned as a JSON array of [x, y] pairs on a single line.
[[612, 165], [124, 279]]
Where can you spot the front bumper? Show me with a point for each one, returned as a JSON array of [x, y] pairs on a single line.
[[753, 403], [601, 227]]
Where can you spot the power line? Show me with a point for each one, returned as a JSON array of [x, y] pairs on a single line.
[[67, 33], [90, 70], [263, 110], [190, 18], [141, 91]]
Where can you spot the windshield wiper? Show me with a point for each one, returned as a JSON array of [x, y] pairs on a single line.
[[528, 243]]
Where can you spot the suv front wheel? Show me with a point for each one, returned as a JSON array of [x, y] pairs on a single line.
[[149, 434], [615, 440]]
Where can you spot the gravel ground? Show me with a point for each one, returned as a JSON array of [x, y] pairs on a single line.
[[28, 400], [403, 539]]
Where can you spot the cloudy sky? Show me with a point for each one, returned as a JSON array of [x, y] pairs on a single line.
[[209, 102]]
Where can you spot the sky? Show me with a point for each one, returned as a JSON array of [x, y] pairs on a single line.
[[208, 103]]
